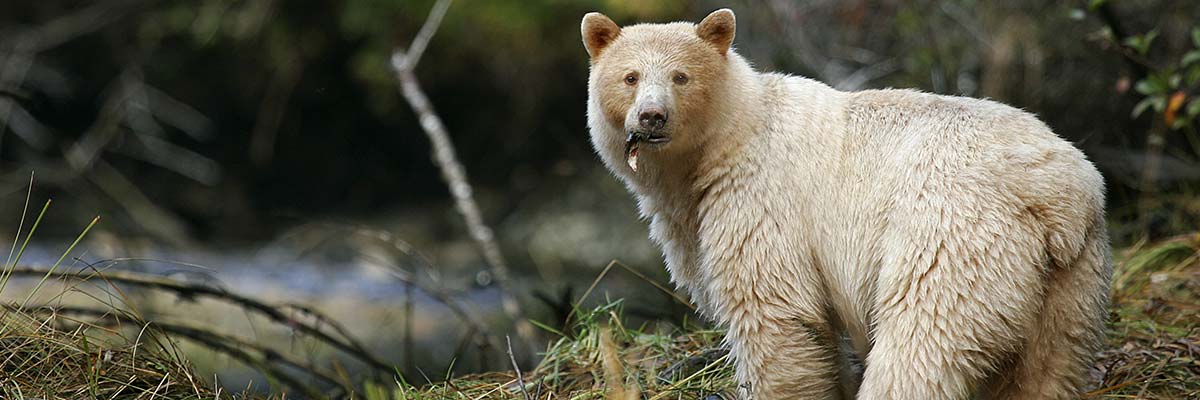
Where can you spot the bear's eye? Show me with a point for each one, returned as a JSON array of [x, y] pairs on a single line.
[[631, 79], [681, 78]]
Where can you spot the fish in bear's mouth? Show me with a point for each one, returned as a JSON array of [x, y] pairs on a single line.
[[637, 137]]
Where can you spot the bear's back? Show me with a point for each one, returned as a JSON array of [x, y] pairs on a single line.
[[978, 154], [899, 131]]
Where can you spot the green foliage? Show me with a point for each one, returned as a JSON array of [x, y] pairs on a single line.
[[1141, 43], [1167, 89]]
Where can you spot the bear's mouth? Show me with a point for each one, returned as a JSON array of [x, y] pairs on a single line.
[[635, 139]]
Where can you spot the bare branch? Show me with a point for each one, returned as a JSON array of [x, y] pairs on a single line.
[[21, 122], [161, 152], [417, 48], [138, 205], [66, 28], [178, 114], [84, 151], [452, 170]]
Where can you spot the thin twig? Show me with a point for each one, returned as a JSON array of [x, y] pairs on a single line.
[[604, 272], [403, 63], [657, 285], [588, 292], [520, 378], [419, 43]]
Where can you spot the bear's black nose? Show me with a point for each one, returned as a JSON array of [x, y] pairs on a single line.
[[652, 117]]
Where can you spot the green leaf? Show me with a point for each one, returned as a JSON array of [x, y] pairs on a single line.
[[1173, 81], [1141, 107], [1141, 43], [1179, 124], [1094, 4], [1133, 42], [1159, 82], [1159, 103], [1193, 75], [1193, 108], [1190, 57], [1196, 37], [1145, 87], [1076, 14]]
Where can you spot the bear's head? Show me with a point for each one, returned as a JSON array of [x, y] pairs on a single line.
[[652, 87]]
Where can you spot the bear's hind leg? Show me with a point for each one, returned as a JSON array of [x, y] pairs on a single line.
[[953, 302], [1061, 343]]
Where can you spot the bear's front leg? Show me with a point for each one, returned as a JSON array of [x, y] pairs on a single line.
[[769, 294], [794, 358]]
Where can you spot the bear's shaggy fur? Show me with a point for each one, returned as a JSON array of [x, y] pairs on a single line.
[[958, 243]]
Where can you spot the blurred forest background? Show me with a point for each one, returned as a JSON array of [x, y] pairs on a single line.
[[268, 141]]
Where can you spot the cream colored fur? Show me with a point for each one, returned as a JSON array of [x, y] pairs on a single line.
[[958, 243]]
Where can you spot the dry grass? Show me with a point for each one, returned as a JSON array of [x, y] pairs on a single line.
[[1153, 352], [1154, 330], [41, 358]]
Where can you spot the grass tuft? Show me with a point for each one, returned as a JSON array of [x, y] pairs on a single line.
[[1154, 330], [55, 357]]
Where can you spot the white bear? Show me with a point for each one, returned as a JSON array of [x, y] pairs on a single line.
[[958, 243]]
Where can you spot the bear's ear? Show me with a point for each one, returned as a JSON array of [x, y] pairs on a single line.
[[598, 32], [717, 29]]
